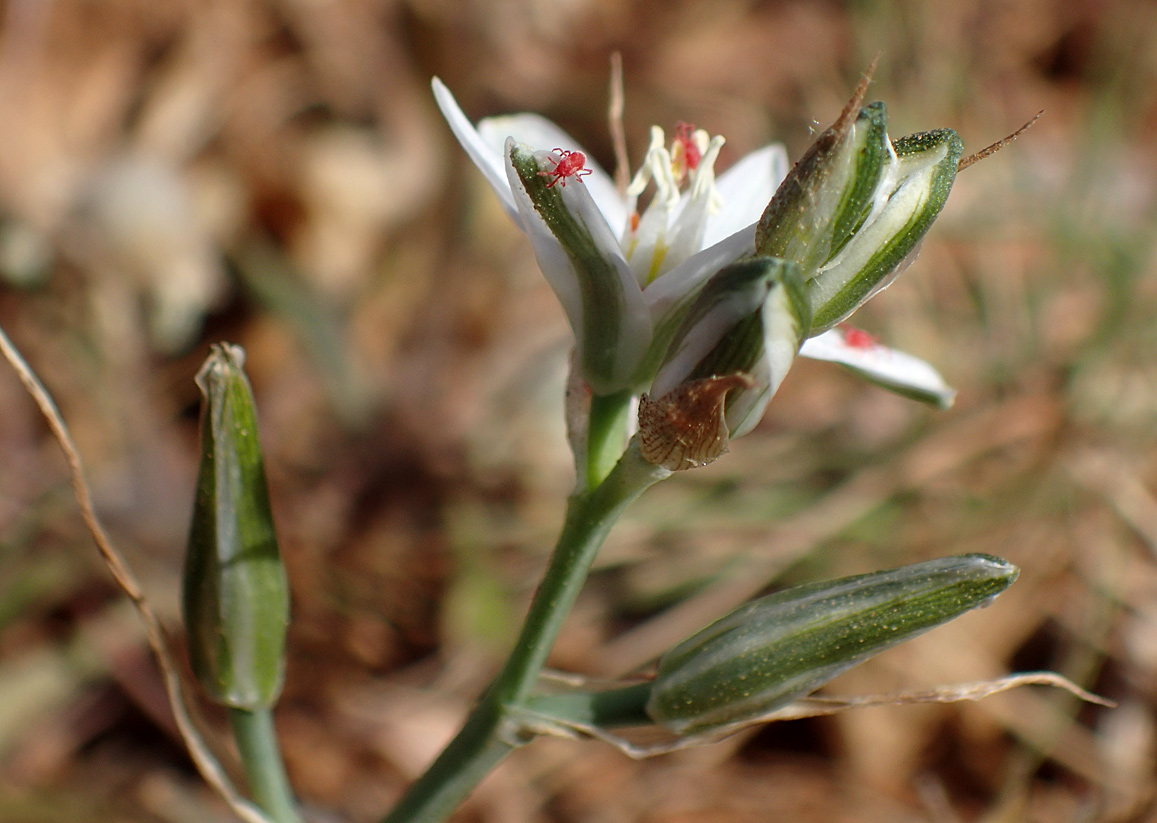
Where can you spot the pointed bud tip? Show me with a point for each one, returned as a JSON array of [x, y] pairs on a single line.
[[988, 151], [851, 110], [994, 566], [224, 358]]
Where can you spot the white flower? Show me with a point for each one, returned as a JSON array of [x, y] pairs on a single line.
[[660, 258], [625, 279]]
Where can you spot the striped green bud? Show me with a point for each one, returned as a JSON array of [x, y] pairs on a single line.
[[774, 650], [236, 596], [853, 210], [831, 191], [908, 202]]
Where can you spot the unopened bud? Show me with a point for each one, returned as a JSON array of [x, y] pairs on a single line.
[[236, 597], [853, 210], [772, 651], [831, 190], [909, 202]]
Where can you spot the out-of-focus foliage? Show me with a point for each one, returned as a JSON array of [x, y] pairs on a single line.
[[276, 174]]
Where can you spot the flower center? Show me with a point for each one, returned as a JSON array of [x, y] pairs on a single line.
[[671, 228]]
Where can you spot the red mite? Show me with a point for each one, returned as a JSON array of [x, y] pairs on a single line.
[[568, 164], [859, 339]]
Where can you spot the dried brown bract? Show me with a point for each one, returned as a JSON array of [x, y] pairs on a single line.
[[685, 428]]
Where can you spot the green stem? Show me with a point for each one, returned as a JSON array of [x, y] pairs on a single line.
[[606, 434], [589, 519], [625, 706], [257, 743], [475, 750], [494, 728]]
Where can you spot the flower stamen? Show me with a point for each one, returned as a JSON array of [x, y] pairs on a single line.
[[685, 151], [671, 228]]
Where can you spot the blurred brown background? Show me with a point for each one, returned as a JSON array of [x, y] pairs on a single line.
[[274, 173]]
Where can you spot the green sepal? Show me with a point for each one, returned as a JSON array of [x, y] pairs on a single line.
[[598, 281], [881, 249], [778, 648], [746, 286], [235, 593]]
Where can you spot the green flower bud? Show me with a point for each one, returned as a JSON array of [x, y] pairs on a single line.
[[909, 200], [236, 597], [725, 361], [778, 648], [853, 210], [831, 191]]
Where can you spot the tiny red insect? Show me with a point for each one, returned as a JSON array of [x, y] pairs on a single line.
[[859, 339], [568, 164]]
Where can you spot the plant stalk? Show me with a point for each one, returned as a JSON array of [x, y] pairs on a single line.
[[494, 728], [606, 435], [257, 742]]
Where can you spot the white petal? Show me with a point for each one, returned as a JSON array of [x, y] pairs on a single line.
[[647, 243], [688, 230], [686, 278], [889, 368], [488, 158], [541, 133], [486, 143], [552, 258], [745, 189]]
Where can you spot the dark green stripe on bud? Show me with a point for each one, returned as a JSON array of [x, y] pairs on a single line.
[[781, 647], [236, 597], [909, 201]]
